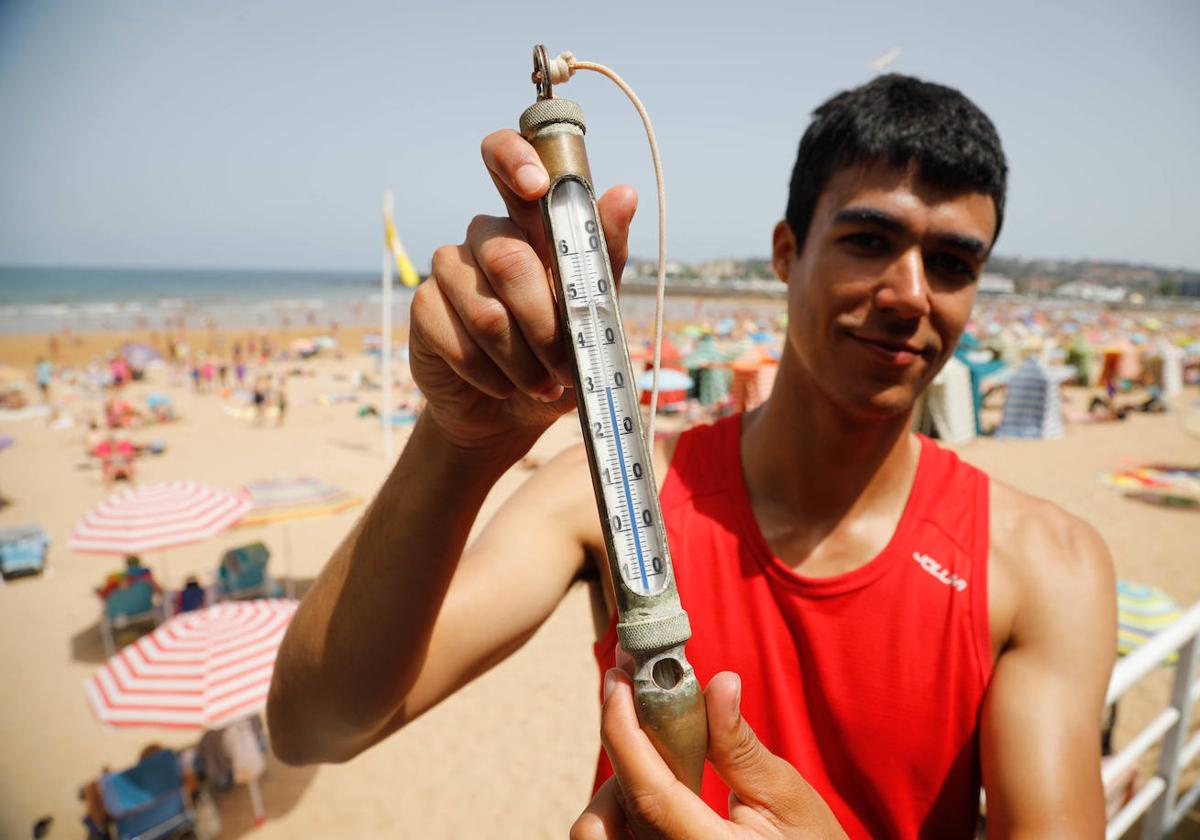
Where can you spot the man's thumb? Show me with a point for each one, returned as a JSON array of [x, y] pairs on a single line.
[[617, 207], [757, 778], [752, 771]]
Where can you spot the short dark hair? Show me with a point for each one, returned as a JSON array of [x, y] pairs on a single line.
[[904, 122]]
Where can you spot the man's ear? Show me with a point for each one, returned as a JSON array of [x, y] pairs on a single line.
[[783, 250]]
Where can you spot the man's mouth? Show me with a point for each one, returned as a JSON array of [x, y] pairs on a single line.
[[901, 353]]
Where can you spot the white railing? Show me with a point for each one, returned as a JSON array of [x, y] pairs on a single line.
[[1158, 798]]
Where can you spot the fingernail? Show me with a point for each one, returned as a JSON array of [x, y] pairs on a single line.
[[531, 178], [550, 392], [610, 682], [737, 696]]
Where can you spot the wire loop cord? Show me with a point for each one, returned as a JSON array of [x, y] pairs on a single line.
[[562, 67]]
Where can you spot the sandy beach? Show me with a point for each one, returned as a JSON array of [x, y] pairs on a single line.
[[513, 754]]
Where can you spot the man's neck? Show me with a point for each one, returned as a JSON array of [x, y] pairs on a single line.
[[828, 488]]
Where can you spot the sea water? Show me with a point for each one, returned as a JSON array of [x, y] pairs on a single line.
[[49, 299]]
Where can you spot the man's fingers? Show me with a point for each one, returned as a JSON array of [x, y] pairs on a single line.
[[443, 332], [489, 323], [651, 793], [617, 207], [603, 818], [520, 179], [519, 280]]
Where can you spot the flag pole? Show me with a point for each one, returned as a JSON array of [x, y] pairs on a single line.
[[385, 348]]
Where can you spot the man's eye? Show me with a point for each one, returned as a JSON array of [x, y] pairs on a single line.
[[952, 265], [869, 242]]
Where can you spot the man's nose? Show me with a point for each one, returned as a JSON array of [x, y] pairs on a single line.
[[905, 289]]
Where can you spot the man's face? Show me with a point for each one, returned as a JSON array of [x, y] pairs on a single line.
[[883, 286]]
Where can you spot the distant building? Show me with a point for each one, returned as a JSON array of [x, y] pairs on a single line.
[[1082, 290], [996, 284]]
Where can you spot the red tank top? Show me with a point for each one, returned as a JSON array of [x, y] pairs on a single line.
[[869, 683]]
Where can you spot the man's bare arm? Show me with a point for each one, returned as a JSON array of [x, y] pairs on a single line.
[[382, 636], [378, 639], [1040, 728]]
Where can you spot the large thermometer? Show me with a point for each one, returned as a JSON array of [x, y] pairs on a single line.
[[651, 626]]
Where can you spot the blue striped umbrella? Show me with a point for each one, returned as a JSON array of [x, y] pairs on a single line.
[[1142, 611]]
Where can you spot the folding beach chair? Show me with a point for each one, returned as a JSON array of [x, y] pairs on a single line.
[[146, 802], [243, 573], [23, 550], [126, 606]]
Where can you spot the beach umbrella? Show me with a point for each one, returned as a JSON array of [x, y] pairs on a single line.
[[1142, 611], [294, 498], [282, 500], [668, 380], [156, 517], [200, 670]]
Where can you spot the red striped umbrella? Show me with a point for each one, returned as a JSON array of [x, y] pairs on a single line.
[[156, 517], [200, 670]]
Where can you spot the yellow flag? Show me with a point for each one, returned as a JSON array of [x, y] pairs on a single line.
[[404, 267]]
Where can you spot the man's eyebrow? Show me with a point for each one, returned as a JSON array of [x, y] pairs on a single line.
[[872, 216], [970, 244]]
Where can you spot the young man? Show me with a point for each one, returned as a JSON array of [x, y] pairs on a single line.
[[903, 627]]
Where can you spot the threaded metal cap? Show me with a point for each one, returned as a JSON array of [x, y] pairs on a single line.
[[548, 111]]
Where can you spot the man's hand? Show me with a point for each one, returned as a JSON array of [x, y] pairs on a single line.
[[484, 341], [768, 798]]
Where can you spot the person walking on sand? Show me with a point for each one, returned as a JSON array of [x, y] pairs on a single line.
[[281, 399], [879, 624], [261, 392], [45, 375]]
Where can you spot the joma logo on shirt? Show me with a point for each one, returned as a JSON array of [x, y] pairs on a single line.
[[935, 568]]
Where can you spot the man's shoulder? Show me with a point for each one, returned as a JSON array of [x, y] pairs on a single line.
[[1028, 528], [1041, 556]]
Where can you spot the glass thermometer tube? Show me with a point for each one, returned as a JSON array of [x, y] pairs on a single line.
[[651, 624]]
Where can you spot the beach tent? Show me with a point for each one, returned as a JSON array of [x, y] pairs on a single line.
[[705, 365], [948, 409], [1032, 407], [1172, 369], [983, 367]]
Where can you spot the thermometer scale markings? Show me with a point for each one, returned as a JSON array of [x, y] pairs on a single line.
[[637, 540], [582, 304]]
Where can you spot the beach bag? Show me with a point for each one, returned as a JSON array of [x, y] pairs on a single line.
[[208, 819]]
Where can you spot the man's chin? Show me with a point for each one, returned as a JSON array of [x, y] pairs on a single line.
[[882, 406]]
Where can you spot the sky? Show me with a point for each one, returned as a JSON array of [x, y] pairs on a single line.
[[262, 135]]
